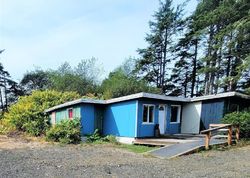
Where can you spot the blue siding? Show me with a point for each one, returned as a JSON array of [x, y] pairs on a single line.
[[211, 113], [147, 130], [119, 119], [172, 128], [87, 119]]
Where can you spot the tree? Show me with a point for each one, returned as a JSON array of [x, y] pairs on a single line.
[[154, 59], [82, 79], [9, 89], [35, 80], [27, 114], [122, 81]]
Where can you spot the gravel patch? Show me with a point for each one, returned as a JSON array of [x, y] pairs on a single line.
[[49, 160]]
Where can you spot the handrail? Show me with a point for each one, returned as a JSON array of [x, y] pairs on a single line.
[[217, 127]]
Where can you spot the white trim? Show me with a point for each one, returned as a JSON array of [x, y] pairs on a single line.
[[125, 140], [178, 114], [153, 120], [136, 119]]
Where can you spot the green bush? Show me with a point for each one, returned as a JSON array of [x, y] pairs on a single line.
[[240, 118], [96, 136], [66, 131], [28, 113], [110, 139]]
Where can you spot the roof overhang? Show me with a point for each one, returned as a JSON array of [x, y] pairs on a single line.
[[149, 96]]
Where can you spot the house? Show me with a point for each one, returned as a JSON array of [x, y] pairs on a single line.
[[135, 116]]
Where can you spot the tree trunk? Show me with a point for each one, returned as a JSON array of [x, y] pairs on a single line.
[[164, 60], [194, 68]]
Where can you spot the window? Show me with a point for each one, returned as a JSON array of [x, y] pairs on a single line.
[[148, 113], [175, 113], [70, 113]]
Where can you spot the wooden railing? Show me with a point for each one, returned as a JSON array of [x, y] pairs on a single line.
[[221, 127]]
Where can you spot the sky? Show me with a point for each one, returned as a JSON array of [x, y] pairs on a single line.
[[46, 33]]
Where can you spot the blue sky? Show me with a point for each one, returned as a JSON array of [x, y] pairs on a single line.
[[46, 33]]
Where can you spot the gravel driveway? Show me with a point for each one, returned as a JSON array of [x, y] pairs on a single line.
[[23, 158]]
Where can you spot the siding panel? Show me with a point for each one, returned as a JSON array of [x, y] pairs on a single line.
[[211, 113]]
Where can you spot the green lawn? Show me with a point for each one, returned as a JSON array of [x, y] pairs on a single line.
[[136, 148]]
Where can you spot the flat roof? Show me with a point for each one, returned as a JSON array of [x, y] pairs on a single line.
[[220, 95], [149, 96]]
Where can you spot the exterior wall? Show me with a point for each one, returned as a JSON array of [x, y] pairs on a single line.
[[211, 113], [120, 119], [63, 113], [147, 129], [173, 128], [191, 115], [86, 114], [87, 119]]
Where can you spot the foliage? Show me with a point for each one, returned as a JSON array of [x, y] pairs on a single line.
[[82, 79], [211, 55], [96, 136], [240, 118], [155, 58], [110, 139], [67, 131], [28, 113], [9, 89], [122, 82], [35, 80]]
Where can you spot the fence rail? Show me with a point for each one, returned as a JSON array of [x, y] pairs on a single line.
[[224, 128]]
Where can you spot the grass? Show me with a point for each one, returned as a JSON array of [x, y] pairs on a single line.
[[136, 148]]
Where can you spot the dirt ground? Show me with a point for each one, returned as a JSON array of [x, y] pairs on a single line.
[[22, 157]]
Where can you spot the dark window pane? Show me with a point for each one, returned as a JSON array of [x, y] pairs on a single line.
[[151, 113], [174, 113], [145, 113]]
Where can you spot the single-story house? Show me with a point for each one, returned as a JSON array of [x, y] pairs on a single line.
[[135, 116]]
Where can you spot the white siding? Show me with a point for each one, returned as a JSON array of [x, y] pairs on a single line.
[[191, 114]]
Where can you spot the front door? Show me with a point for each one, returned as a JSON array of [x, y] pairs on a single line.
[[162, 118]]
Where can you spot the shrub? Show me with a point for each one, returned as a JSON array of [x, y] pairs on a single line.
[[66, 131], [110, 139], [96, 136], [240, 118], [28, 113]]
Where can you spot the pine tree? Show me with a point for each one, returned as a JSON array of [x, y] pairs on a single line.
[[156, 57]]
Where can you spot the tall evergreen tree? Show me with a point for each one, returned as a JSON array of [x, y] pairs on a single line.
[[156, 57]]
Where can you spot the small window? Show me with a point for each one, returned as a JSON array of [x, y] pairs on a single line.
[[175, 114], [148, 113], [70, 112]]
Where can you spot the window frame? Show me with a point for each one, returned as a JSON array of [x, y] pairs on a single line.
[[178, 114], [153, 119], [72, 109]]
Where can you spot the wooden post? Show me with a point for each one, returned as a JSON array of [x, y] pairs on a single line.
[[237, 133], [229, 136], [207, 140]]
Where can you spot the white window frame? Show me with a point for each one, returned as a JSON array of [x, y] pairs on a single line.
[[153, 120], [178, 114]]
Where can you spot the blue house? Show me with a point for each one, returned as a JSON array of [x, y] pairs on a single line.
[[136, 115]]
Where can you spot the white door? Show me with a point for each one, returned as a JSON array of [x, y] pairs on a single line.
[[162, 118]]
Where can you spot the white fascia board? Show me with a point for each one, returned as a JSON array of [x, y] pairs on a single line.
[[220, 95]]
